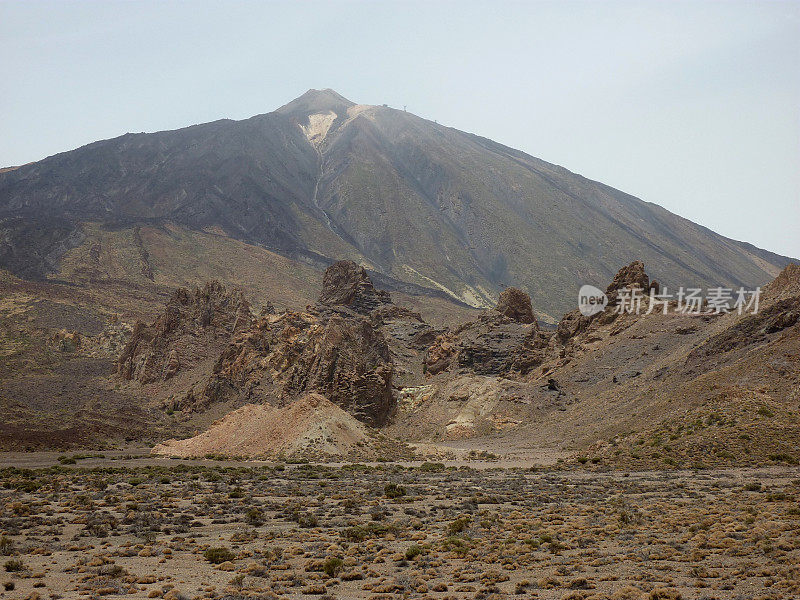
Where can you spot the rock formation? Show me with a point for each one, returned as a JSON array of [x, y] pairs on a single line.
[[516, 304], [351, 366], [786, 284], [193, 326], [347, 284], [286, 355], [751, 330], [629, 276], [334, 349], [505, 341]]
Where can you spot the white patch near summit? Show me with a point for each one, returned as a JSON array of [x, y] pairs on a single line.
[[318, 126]]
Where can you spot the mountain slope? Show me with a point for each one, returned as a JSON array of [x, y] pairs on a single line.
[[322, 179]]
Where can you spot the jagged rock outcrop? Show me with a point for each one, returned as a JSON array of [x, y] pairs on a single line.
[[348, 292], [630, 276], [193, 326], [282, 356], [351, 366], [507, 343], [439, 356], [516, 304], [347, 284], [408, 337], [333, 350]]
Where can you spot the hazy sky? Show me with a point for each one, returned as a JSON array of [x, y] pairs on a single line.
[[692, 105]]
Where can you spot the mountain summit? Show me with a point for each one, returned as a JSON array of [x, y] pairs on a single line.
[[323, 179], [317, 101]]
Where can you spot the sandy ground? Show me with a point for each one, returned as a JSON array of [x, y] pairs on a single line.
[[464, 454], [133, 525]]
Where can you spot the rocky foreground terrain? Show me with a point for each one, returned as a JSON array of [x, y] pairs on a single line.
[[614, 457], [178, 529], [660, 390]]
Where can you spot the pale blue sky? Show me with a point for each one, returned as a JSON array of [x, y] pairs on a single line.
[[692, 105]]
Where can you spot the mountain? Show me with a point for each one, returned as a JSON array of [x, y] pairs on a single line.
[[428, 209]]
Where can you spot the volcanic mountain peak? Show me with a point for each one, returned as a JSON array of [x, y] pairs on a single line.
[[316, 102], [323, 179]]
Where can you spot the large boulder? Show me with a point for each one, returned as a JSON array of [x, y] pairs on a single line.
[[516, 304]]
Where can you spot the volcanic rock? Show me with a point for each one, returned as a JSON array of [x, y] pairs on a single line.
[[193, 325], [275, 358], [630, 276], [505, 341], [346, 283], [333, 350], [497, 345], [408, 337], [750, 330], [516, 304], [283, 356], [351, 366], [440, 354], [786, 284]]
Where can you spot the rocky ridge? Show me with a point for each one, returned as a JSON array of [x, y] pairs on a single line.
[[273, 358], [497, 377], [503, 341], [193, 325]]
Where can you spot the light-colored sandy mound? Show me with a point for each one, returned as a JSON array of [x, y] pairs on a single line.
[[312, 426]]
